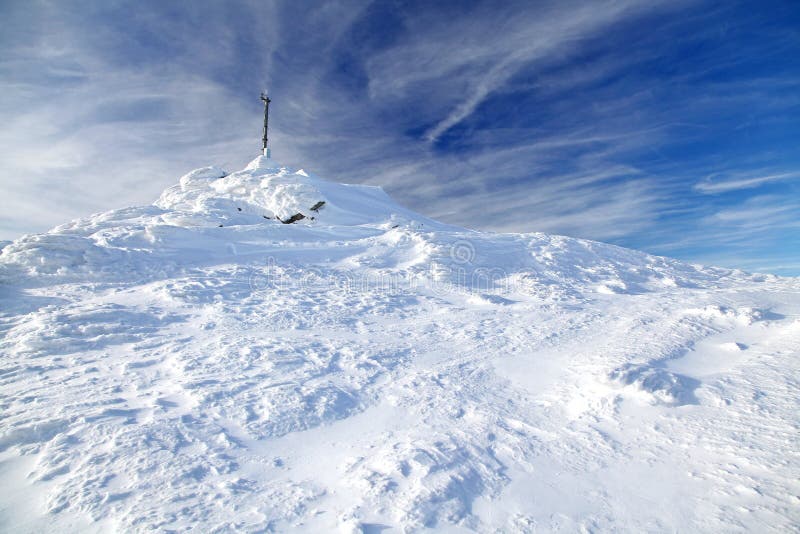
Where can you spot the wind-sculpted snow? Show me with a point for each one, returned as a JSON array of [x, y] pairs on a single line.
[[198, 363]]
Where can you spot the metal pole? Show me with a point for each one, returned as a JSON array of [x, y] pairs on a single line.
[[266, 100]]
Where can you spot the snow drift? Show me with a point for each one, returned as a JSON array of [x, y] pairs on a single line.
[[198, 362]]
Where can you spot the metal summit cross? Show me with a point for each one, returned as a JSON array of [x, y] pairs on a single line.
[[266, 100]]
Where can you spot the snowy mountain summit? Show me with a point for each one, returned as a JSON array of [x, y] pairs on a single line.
[[266, 350], [267, 188]]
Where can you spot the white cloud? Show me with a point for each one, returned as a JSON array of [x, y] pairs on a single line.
[[471, 57], [712, 184]]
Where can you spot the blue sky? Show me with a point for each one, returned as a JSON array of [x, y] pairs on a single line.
[[671, 127]]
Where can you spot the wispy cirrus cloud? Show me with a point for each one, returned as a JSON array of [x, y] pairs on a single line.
[[718, 184]]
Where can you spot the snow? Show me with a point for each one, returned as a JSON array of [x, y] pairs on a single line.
[[372, 370]]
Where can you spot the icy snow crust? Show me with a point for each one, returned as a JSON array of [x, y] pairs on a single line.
[[372, 370]]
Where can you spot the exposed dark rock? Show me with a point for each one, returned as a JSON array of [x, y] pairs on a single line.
[[293, 219]]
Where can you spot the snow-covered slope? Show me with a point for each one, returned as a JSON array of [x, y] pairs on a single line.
[[199, 363]]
